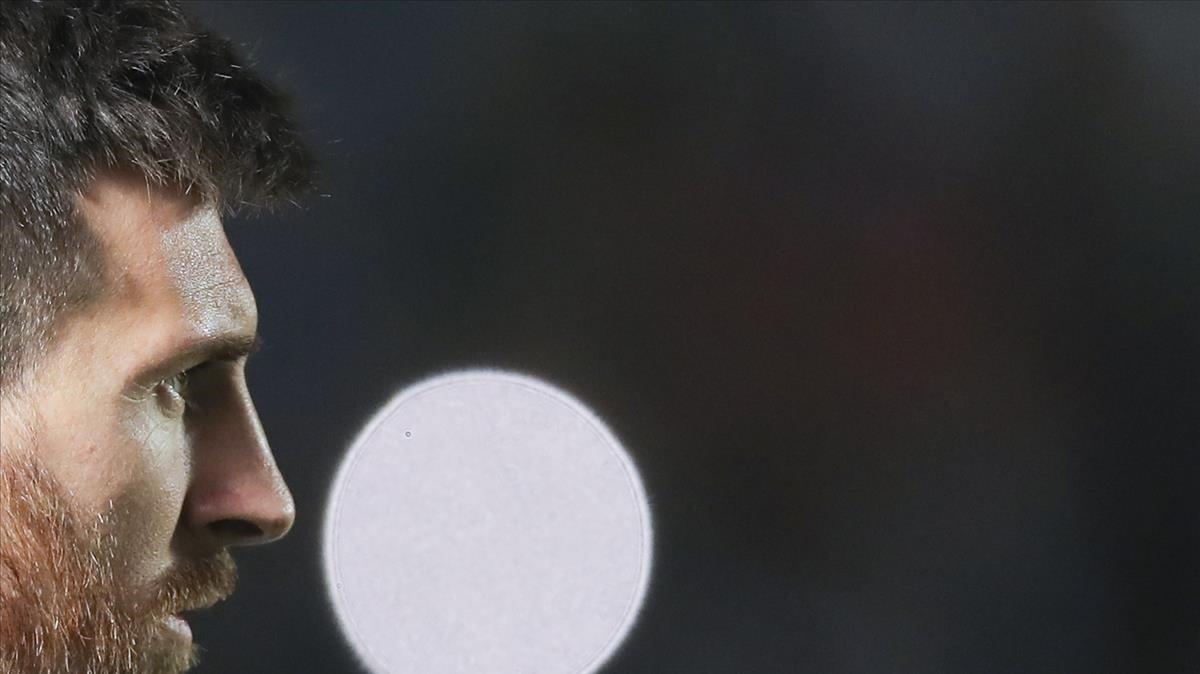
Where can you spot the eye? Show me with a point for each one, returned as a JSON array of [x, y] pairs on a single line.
[[171, 394]]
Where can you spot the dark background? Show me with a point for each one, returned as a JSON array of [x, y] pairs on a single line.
[[896, 306]]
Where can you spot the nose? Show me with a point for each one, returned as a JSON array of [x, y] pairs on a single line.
[[236, 495]]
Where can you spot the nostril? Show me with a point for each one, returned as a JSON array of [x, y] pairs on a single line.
[[235, 529]]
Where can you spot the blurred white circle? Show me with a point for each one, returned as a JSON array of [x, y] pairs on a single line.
[[486, 522]]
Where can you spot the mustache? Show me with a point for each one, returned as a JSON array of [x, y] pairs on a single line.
[[194, 584]]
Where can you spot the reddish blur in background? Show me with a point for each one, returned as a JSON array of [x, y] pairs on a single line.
[[897, 307]]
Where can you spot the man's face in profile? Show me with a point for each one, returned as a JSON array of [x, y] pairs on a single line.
[[132, 454]]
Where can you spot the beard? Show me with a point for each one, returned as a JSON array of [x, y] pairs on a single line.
[[63, 608]]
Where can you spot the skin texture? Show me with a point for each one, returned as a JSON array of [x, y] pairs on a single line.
[[138, 424]]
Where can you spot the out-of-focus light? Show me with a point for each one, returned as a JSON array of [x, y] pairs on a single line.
[[486, 522]]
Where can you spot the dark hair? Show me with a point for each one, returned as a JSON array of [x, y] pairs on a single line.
[[91, 86]]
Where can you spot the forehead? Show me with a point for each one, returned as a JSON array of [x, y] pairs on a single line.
[[167, 255]]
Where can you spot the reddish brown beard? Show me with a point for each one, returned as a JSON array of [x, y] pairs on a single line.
[[62, 608]]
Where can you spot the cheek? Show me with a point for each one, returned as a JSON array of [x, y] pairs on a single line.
[[118, 456], [154, 476]]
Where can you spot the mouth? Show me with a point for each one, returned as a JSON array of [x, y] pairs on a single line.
[[176, 624], [192, 586]]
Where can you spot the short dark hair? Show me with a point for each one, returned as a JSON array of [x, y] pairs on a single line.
[[91, 86]]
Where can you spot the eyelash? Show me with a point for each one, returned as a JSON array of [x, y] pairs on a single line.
[[177, 387], [178, 382]]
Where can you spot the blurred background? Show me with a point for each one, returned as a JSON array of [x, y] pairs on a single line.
[[896, 306]]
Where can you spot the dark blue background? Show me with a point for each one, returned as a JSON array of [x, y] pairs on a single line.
[[897, 306]]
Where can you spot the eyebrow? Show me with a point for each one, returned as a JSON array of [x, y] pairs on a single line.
[[218, 348]]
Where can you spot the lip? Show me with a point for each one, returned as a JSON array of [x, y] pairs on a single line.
[[178, 625]]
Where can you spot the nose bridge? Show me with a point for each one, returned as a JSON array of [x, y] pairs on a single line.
[[237, 495]]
